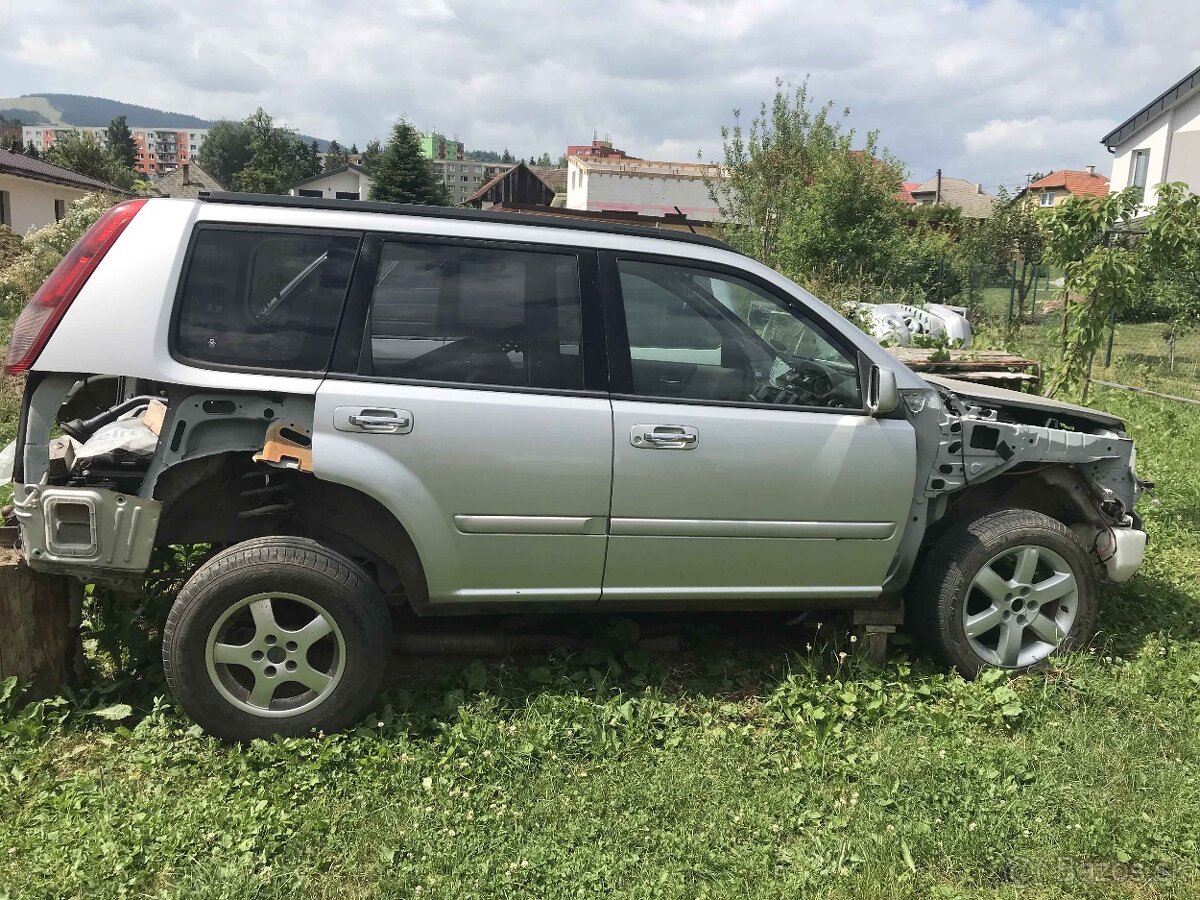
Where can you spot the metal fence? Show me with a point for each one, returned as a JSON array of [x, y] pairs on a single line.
[[1147, 355]]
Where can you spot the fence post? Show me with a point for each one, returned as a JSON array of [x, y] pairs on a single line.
[[1012, 291], [1112, 330]]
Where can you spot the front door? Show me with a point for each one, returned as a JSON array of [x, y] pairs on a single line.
[[469, 420], [745, 467]]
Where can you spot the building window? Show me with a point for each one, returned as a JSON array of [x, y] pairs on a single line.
[[346, 195], [1139, 168], [6, 208], [1047, 198], [306, 192], [60, 210]]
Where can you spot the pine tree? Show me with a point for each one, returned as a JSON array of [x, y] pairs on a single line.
[[370, 156], [403, 174], [120, 142], [31, 150], [335, 156]]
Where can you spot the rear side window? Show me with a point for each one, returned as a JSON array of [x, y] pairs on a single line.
[[262, 299], [473, 315]]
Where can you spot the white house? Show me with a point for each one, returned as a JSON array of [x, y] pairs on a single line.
[[34, 193], [1160, 142], [350, 182], [644, 186]]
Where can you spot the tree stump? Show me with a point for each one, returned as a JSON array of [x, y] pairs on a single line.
[[39, 626]]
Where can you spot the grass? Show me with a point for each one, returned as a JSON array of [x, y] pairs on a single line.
[[730, 770]]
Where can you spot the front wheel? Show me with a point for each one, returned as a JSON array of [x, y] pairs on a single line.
[[276, 636], [1007, 590]]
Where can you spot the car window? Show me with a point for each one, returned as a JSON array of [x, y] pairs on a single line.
[[475, 315], [699, 335], [262, 299]]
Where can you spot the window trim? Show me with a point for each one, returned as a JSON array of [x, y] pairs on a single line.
[[177, 304], [620, 358], [349, 350]]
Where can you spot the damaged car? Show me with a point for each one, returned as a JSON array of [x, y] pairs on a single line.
[[369, 411]]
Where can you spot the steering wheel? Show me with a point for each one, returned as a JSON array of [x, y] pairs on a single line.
[[807, 384]]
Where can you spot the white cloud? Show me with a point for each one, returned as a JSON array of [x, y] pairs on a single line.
[[985, 89]]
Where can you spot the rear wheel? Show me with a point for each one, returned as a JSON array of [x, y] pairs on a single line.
[[1007, 590], [277, 635]]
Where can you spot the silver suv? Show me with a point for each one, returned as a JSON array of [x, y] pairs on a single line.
[[361, 407]]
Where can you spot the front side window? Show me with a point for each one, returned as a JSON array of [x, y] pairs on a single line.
[[262, 299], [698, 335], [1047, 198], [474, 315]]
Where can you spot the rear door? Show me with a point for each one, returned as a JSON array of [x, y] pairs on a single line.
[[745, 467], [473, 407]]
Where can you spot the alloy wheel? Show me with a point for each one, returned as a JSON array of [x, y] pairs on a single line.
[[275, 654], [1020, 606]]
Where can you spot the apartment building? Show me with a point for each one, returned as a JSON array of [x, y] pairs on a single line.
[[644, 186], [463, 177], [158, 150], [438, 146]]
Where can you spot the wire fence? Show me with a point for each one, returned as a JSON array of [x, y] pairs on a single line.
[[1147, 355]]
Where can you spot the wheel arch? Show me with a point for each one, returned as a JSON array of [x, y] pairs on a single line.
[[225, 499]]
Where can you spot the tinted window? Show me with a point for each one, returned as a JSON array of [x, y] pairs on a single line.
[[697, 335], [476, 316], [253, 298]]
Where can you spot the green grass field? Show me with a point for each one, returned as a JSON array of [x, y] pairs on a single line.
[[728, 770]]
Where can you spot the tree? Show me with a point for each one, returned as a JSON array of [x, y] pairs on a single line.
[[544, 161], [1104, 267], [795, 193], [278, 159], [403, 174], [336, 156], [120, 142], [82, 153], [507, 157], [1016, 234], [31, 150], [370, 156], [225, 151]]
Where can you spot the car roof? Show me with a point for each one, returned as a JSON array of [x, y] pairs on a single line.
[[540, 220]]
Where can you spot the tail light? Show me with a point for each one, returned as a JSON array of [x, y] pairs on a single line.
[[43, 313]]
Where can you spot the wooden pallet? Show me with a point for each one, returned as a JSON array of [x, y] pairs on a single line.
[[997, 367]]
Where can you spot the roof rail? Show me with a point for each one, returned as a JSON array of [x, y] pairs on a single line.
[[541, 220]]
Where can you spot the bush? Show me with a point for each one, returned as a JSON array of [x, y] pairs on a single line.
[[25, 264]]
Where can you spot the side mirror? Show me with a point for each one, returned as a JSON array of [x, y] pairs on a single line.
[[882, 394]]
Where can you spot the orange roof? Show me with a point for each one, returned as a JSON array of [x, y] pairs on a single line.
[[906, 189], [1081, 184]]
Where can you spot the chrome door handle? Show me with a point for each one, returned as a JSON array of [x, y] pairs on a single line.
[[390, 424], [664, 437], [372, 420]]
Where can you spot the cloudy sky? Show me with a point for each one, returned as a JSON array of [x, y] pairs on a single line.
[[986, 89]]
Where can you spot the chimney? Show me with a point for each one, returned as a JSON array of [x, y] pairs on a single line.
[[1091, 170], [186, 180], [979, 188]]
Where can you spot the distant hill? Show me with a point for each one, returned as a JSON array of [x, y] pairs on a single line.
[[76, 109], [81, 111]]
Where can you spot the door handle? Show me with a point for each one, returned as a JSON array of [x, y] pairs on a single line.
[[372, 420], [664, 437]]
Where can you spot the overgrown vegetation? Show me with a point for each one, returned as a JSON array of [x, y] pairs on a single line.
[[807, 195]]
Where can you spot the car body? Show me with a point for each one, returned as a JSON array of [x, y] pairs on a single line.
[[483, 412]]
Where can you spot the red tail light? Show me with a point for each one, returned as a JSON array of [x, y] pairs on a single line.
[[43, 313]]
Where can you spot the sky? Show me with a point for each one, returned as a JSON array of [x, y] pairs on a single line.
[[987, 90]]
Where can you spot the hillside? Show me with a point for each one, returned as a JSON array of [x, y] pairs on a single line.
[[81, 111], [76, 109]]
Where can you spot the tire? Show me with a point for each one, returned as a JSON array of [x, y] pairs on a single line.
[[276, 636], [1005, 617]]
